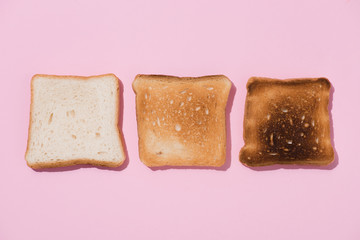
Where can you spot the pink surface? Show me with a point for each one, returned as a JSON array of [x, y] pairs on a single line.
[[280, 39]]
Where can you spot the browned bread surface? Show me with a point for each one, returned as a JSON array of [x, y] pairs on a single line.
[[287, 122], [181, 121]]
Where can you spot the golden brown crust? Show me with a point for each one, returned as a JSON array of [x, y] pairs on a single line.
[[287, 122], [181, 121], [64, 163]]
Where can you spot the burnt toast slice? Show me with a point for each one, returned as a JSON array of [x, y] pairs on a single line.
[[181, 121], [287, 122]]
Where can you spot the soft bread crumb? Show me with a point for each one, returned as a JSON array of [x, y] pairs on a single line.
[[81, 115]]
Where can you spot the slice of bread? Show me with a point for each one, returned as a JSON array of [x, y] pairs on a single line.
[[73, 120], [181, 121], [287, 122]]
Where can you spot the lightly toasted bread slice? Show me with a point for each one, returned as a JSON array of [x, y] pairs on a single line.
[[74, 120], [181, 121], [287, 122]]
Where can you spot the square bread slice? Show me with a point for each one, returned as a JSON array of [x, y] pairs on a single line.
[[181, 121], [73, 120], [287, 122]]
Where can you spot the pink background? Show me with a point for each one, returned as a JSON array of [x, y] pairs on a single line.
[[280, 39]]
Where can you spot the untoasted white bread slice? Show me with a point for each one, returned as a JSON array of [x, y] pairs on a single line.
[[73, 120], [181, 121]]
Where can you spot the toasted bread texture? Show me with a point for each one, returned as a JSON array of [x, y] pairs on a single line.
[[287, 122], [74, 120], [181, 121]]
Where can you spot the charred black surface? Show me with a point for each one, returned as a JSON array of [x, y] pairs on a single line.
[[289, 131], [286, 122]]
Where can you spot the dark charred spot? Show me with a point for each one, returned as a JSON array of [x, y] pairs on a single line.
[[289, 131]]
